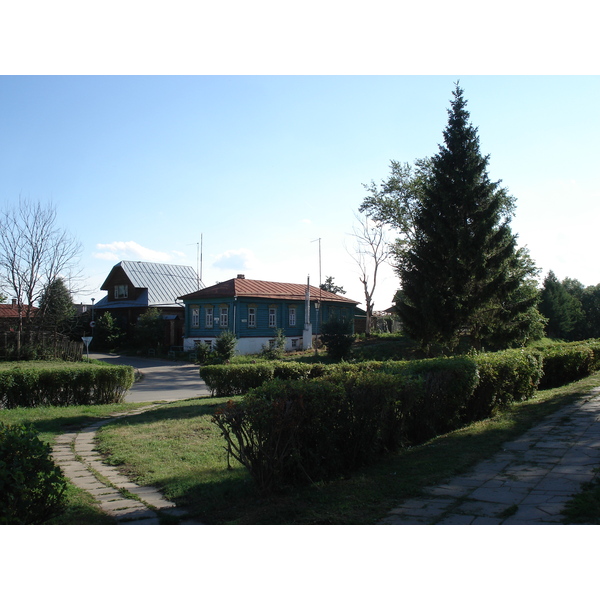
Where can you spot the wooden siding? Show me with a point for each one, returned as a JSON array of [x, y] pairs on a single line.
[[238, 316]]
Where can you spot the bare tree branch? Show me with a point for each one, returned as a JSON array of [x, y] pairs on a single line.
[[371, 250], [34, 252]]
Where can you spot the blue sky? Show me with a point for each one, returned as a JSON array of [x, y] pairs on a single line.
[[261, 166]]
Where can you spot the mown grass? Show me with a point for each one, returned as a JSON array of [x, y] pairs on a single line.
[[50, 421], [177, 449]]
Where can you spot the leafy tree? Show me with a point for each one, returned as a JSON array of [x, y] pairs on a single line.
[[463, 251], [56, 310], [329, 286], [107, 333], [562, 309], [149, 329]]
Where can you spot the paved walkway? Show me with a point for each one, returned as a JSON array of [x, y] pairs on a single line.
[[527, 483], [162, 379], [81, 463]]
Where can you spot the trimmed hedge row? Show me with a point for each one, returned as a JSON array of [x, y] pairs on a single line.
[[315, 421], [64, 385], [563, 363]]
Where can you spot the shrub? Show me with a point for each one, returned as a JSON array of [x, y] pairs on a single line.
[[64, 385], [563, 363], [225, 346], [338, 339], [203, 353], [230, 380], [504, 377], [294, 432], [447, 385], [31, 486], [276, 349]]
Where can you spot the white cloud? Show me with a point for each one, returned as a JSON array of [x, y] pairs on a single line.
[[130, 251], [235, 259]]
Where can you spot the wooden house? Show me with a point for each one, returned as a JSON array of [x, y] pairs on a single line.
[[133, 287], [254, 310]]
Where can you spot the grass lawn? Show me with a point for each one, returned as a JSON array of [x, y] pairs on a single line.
[[82, 508], [177, 449]]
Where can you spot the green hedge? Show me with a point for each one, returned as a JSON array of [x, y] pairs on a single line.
[[504, 377], [64, 384], [308, 422], [567, 362], [292, 432]]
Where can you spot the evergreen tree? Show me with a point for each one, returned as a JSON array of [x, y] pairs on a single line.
[[460, 260], [56, 310], [562, 309]]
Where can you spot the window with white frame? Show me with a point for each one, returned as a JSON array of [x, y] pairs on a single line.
[[120, 291], [292, 316], [272, 316], [208, 317], [251, 316], [224, 317], [195, 316]]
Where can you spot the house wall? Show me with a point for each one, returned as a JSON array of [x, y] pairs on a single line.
[[252, 338]]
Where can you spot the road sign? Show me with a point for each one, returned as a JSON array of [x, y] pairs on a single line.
[[92, 324]]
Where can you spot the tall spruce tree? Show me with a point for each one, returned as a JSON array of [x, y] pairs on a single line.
[[463, 254]]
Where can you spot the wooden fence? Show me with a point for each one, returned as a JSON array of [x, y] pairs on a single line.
[[42, 345]]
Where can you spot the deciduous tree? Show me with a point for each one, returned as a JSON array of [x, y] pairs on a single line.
[[34, 252]]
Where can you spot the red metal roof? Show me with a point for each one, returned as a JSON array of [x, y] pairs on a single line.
[[10, 311], [254, 288]]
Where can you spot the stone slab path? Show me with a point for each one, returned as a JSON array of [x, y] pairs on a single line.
[[130, 504], [527, 483]]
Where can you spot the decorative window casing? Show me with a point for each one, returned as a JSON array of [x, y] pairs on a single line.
[[252, 316], [224, 317], [195, 317], [272, 316], [208, 317], [292, 316], [121, 291]]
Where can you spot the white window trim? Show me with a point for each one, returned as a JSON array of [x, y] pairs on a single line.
[[224, 317], [121, 291], [208, 317]]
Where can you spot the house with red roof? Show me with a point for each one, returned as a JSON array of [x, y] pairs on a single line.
[[254, 310], [9, 315]]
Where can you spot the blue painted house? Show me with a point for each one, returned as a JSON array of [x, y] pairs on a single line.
[[254, 310]]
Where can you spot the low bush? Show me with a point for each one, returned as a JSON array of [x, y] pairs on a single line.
[[292, 432], [64, 384], [32, 487], [564, 363], [338, 338], [448, 383], [225, 346], [231, 380], [504, 377]]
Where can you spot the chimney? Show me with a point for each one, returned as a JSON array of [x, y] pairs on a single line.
[[241, 276], [14, 302]]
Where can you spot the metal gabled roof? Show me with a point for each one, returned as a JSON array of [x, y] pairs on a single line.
[[253, 288], [165, 283]]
